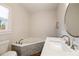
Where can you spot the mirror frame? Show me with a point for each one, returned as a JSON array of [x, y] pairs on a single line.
[[65, 22]]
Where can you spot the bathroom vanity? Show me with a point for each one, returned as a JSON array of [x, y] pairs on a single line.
[[56, 47]]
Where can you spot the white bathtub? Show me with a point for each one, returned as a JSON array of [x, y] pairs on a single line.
[[29, 46]]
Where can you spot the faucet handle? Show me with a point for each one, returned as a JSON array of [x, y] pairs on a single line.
[[74, 46]]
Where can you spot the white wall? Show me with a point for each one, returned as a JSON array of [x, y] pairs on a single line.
[[18, 18], [60, 18], [23, 25], [43, 23]]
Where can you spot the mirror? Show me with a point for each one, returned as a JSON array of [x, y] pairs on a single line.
[[72, 19]]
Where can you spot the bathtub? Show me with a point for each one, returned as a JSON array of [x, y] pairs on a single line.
[[29, 46]]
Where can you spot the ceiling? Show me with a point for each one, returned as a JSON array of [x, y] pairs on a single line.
[[33, 7]]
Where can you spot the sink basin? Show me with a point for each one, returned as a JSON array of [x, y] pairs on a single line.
[[57, 47]]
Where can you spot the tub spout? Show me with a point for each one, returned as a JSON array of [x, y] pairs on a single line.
[[19, 42]]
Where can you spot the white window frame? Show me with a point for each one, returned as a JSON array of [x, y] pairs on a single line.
[[4, 12]]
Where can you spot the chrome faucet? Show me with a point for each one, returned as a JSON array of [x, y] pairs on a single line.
[[74, 46], [68, 42], [19, 42]]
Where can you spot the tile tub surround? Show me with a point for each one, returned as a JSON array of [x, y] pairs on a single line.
[[28, 50]]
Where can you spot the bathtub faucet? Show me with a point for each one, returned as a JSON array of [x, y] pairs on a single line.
[[19, 42]]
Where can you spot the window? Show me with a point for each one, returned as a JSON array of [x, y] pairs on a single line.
[[4, 12]]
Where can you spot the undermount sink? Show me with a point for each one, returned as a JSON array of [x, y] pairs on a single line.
[[57, 47]]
